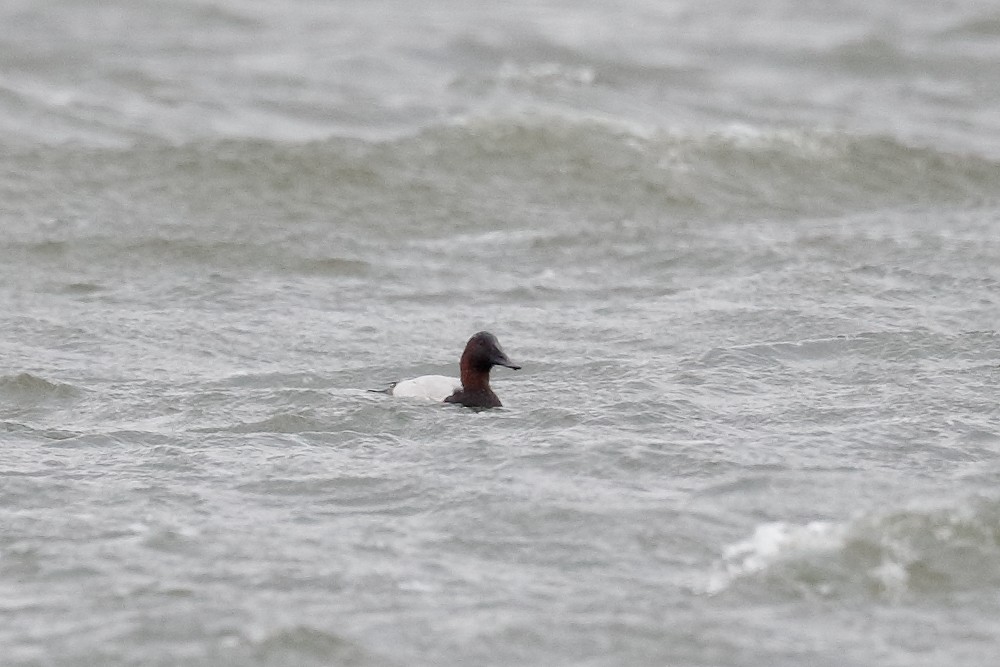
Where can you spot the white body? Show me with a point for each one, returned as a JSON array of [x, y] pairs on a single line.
[[431, 387]]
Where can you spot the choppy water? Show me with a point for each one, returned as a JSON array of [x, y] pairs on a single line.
[[747, 254]]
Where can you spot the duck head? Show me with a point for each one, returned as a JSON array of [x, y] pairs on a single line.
[[483, 352]]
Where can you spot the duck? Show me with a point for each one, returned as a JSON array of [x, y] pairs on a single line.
[[472, 390]]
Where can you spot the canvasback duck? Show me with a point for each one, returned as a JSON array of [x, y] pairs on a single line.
[[472, 390]]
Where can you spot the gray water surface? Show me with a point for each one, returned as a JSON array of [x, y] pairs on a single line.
[[747, 256]]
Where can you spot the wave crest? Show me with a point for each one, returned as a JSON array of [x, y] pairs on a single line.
[[905, 553]]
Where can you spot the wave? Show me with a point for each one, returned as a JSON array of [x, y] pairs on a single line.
[[985, 26], [289, 257], [329, 207], [733, 167], [287, 423], [893, 555], [28, 388], [302, 645], [750, 170], [973, 348]]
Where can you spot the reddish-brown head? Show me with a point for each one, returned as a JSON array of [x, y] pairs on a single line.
[[482, 353]]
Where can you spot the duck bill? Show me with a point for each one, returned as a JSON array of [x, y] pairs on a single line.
[[500, 358]]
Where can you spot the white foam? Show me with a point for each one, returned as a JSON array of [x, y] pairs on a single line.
[[772, 543]]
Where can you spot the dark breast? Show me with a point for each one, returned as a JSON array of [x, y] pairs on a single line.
[[475, 399]]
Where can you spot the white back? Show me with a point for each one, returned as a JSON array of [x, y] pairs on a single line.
[[432, 387]]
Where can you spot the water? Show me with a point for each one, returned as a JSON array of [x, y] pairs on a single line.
[[748, 257]]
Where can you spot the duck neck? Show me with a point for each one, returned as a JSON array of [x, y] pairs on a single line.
[[474, 379]]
